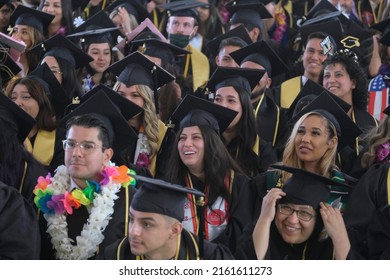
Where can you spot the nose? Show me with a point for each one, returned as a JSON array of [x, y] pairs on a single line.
[[306, 138], [77, 151], [293, 218], [134, 230], [18, 102], [16, 35]]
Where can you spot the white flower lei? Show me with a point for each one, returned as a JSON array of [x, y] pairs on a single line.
[[91, 235]]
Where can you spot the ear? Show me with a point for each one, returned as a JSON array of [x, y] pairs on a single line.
[[353, 84], [333, 142], [108, 153], [217, 60], [194, 31], [269, 82], [176, 229], [254, 34]]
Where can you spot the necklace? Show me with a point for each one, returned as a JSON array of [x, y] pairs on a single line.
[[53, 198]]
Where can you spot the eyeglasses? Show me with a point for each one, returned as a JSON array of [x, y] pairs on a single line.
[[85, 147], [301, 214]]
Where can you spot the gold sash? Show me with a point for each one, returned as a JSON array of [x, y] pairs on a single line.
[[161, 133], [289, 91], [200, 68], [43, 149]]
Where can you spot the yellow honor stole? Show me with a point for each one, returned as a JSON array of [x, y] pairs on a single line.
[[43, 149]]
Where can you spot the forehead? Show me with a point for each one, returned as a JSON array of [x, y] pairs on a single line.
[[180, 19], [300, 207], [314, 43], [191, 130], [145, 215], [334, 67], [228, 49], [227, 91], [81, 133], [99, 46], [314, 121], [251, 65]]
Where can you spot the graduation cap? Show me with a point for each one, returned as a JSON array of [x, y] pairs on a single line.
[[157, 48], [31, 17], [59, 46], [387, 111], [321, 8], [120, 132], [8, 67], [132, 7], [161, 197], [384, 28], [3, 2], [247, 11], [97, 29], [56, 94], [126, 107], [245, 78], [239, 32], [184, 8], [307, 188], [261, 53], [313, 89], [16, 117], [193, 111], [325, 105]]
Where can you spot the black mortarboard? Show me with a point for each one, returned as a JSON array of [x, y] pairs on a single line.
[[16, 117], [261, 53], [240, 32], [322, 7], [3, 2], [59, 46], [325, 105], [193, 111], [384, 27], [387, 111], [183, 8], [232, 76], [247, 11], [57, 94], [31, 17], [157, 48], [132, 7], [127, 108], [161, 197], [97, 29], [307, 188], [313, 89], [8, 67], [121, 133]]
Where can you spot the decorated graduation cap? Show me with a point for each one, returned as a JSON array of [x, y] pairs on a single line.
[[136, 69], [194, 111], [240, 32], [384, 28], [97, 29], [127, 108], [56, 92], [120, 132], [247, 12], [31, 17], [326, 106], [59, 46], [245, 78], [17, 119], [157, 48], [133, 7], [161, 197], [261, 53], [184, 8], [8, 67], [307, 188]]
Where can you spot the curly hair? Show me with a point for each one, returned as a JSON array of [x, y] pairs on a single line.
[[355, 72], [376, 137], [328, 160]]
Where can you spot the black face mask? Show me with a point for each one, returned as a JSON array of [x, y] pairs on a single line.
[[179, 40]]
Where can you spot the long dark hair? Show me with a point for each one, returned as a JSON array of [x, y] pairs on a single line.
[[70, 81], [67, 16], [217, 163]]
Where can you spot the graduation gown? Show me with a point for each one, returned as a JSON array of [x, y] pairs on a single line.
[[33, 170], [116, 228], [120, 250], [378, 235], [19, 231]]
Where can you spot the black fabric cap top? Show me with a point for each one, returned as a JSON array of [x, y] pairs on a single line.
[[194, 111], [261, 53], [127, 108], [247, 12], [387, 111], [122, 134], [57, 94], [384, 27], [133, 7], [183, 8], [322, 7], [3, 2], [157, 48], [239, 31], [16, 117], [8, 67], [136, 69], [161, 197], [31, 17], [59, 46], [245, 78], [306, 188], [325, 101]]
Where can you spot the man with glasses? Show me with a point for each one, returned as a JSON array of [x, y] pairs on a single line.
[[296, 222], [85, 204], [6, 9]]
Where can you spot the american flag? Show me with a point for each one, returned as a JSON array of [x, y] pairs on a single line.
[[379, 96]]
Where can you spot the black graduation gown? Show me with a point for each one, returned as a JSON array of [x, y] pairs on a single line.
[[378, 235], [19, 230], [120, 250], [116, 228], [240, 210], [33, 171]]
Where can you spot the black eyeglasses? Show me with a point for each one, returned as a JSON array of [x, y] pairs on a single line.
[[301, 214], [85, 147]]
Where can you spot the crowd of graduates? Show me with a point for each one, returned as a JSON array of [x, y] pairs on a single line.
[[195, 129]]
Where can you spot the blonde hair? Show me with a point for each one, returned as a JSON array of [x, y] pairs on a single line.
[[290, 157]]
